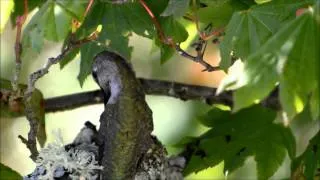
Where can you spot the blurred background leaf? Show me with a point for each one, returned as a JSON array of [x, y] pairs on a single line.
[[8, 173], [6, 9]]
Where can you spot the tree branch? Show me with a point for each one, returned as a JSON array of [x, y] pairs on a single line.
[[154, 87], [30, 112]]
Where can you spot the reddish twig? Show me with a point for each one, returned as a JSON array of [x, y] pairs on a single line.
[[75, 23], [162, 36], [176, 46], [204, 35], [215, 33], [19, 22], [18, 47], [88, 7]]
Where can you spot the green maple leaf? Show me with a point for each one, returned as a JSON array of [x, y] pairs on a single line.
[[118, 22], [219, 13], [51, 22], [285, 58], [249, 29], [176, 8], [235, 137], [309, 160]]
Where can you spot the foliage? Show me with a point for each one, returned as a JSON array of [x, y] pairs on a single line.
[[308, 163], [249, 132], [7, 173], [276, 48]]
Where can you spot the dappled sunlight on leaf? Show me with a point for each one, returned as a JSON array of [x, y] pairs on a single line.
[[283, 58], [235, 137], [249, 30]]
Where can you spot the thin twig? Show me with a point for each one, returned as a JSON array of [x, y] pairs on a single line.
[[31, 115], [31, 143], [198, 59], [53, 60], [18, 48], [41, 72], [155, 22], [169, 41], [72, 44], [159, 30], [203, 35], [29, 110], [88, 7]]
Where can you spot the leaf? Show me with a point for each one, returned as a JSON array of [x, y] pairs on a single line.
[[130, 16], [73, 8], [8, 173], [70, 56], [269, 160], [235, 137], [115, 30], [166, 52], [173, 29], [315, 103], [88, 51], [308, 162], [214, 117], [37, 102], [273, 63], [6, 10], [219, 13], [288, 141], [52, 22], [138, 19], [300, 73], [250, 29], [19, 8], [176, 8], [157, 7], [118, 21], [262, 1]]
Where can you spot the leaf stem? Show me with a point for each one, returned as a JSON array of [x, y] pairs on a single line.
[[169, 41], [155, 22], [88, 8], [203, 35], [18, 48]]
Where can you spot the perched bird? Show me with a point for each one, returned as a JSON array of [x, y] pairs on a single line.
[[126, 123]]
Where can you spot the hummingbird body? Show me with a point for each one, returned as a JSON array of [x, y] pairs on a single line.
[[126, 123]]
